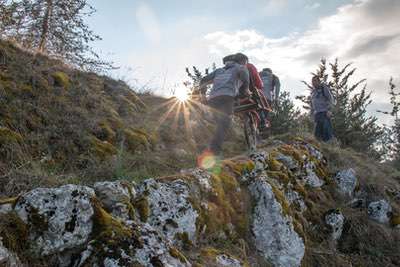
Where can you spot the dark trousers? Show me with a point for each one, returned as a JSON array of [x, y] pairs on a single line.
[[222, 107], [323, 127]]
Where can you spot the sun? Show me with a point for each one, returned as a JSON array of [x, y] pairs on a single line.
[[182, 94]]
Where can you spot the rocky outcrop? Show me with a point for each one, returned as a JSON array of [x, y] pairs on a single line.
[[257, 211]]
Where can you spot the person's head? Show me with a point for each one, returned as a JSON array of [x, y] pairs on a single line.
[[241, 58], [228, 58], [267, 70], [315, 81]]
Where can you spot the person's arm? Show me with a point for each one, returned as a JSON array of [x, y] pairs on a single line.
[[245, 79], [256, 77], [329, 96], [206, 80], [277, 87]]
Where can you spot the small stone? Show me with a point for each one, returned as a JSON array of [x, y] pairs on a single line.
[[225, 260], [380, 211], [335, 220], [346, 181], [311, 177], [7, 258], [5, 208]]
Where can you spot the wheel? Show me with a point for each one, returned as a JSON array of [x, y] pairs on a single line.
[[250, 132]]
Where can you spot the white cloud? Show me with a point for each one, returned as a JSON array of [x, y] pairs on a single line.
[[365, 32], [148, 23]]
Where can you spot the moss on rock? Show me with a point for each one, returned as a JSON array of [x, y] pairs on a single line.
[[61, 79]]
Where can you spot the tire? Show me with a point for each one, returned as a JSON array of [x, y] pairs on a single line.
[[250, 132]]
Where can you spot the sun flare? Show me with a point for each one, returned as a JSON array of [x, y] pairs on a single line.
[[182, 94]]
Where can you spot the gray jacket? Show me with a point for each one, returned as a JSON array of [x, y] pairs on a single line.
[[272, 85], [227, 81], [322, 99]]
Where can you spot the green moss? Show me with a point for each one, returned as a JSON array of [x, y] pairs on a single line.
[[184, 237], [142, 206], [280, 176], [9, 136], [12, 201], [61, 79], [395, 220], [102, 149], [13, 232], [137, 138], [177, 254], [110, 235]]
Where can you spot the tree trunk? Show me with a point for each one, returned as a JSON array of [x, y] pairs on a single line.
[[45, 25]]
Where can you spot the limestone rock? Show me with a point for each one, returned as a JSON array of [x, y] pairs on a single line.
[[146, 248], [202, 176], [288, 161], [274, 235], [380, 211], [227, 261], [311, 177], [170, 209], [346, 181], [156, 249], [58, 218], [116, 197], [335, 220], [295, 198]]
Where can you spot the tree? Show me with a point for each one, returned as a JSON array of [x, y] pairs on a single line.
[[285, 117], [54, 27], [353, 127], [390, 143]]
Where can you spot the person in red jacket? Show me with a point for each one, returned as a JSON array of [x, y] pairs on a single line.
[[257, 84]]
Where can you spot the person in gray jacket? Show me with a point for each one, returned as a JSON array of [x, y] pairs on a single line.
[[322, 102], [228, 82], [272, 85]]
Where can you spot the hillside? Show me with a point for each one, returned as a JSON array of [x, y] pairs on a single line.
[[60, 125], [94, 174]]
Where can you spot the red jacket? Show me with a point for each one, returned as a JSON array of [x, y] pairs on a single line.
[[255, 77]]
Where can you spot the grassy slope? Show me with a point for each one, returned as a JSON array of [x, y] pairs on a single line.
[[59, 125]]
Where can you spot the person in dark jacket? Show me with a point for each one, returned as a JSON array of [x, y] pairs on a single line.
[[228, 82], [322, 102]]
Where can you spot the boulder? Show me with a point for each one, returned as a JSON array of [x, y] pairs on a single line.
[[335, 220], [58, 218], [274, 234], [380, 211], [346, 182]]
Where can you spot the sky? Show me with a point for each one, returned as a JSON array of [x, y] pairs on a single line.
[[153, 41]]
